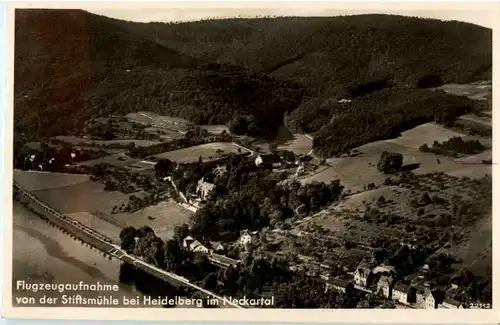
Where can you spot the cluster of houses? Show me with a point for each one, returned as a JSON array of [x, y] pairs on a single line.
[[215, 250], [381, 281]]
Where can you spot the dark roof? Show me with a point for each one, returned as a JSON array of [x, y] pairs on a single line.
[[364, 272], [385, 280], [338, 282], [401, 287], [270, 158], [453, 302], [225, 259]]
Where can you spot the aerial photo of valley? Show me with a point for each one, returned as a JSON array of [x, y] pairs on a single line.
[[252, 162]]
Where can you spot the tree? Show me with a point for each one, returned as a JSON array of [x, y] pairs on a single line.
[[390, 162], [127, 239], [164, 167], [173, 255]]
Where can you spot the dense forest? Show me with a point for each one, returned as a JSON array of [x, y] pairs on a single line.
[[72, 65], [247, 73]]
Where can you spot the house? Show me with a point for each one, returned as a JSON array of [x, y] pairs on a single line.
[[268, 160], [216, 246], [223, 260], [450, 304], [384, 286], [361, 276], [203, 189], [382, 268], [187, 242], [425, 298], [197, 247], [338, 284], [247, 237], [403, 293]]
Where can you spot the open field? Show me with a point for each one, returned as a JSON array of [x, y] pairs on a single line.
[[163, 133], [86, 196], [117, 160], [355, 172], [300, 145], [107, 229], [215, 129], [86, 142], [473, 91], [160, 121], [475, 122], [34, 180], [207, 151], [165, 216]]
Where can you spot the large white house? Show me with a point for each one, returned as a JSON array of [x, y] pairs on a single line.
[[247, 237], [203, 189]]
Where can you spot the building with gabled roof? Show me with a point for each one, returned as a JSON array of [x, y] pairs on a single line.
[[362, 276], [403, 293], [384, 286], [450, 304]]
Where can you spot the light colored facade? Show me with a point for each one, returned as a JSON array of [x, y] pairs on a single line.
[[384, 286], [203, 189], [400, 293], [450, 304], [361, 276]]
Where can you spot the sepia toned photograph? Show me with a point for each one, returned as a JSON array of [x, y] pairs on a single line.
[[251, 158]]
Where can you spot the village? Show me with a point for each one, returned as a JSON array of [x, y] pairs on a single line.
[[160, 166]]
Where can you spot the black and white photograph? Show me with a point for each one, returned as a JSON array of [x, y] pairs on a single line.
[[266, 157]]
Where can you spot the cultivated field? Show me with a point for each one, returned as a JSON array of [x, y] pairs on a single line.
[[86, 142], [34, 180], [300, 145], [473, 91], [156, 120], [207, 151], [107, 229], [215, 129], [355, 172], [82, 197], [164, 217], [117, 160]]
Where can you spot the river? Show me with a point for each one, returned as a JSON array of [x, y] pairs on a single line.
[[45, 255]]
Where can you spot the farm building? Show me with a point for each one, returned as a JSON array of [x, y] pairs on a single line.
[[268, 160], [223, 260], [197, 247], [216, 246]]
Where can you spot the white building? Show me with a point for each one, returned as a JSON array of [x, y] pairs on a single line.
[[203, 189], [247, 237]]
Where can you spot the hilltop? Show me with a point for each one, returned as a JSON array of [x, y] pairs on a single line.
[[71, 65], [336, 55]]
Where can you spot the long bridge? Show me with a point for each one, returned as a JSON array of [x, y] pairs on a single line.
[[106, 245]]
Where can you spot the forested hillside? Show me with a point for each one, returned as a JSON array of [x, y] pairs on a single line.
[[70, 65], [334, 56]]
